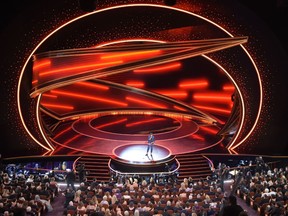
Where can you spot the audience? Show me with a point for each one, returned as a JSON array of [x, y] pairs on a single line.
[[145, 196]]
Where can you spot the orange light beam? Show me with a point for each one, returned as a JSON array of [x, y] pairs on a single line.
[[57, 106], [161, 68], [34, 82], [213, 109], [49, 95], [144, 122], [111, 123], [127, 54], [193, 84], [228, 87], [71, 94], [71, 69], [195, 136], [210, 130], [93, 85], [211, 97], [145, 102], [39, 65]]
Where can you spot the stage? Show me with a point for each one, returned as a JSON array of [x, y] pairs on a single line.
[[136, 153], [132, 159]]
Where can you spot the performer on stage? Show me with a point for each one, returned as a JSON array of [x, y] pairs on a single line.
[[151, 141]]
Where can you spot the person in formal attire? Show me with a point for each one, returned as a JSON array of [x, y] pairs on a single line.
[[151, 141], [70, 179], [81, 172]]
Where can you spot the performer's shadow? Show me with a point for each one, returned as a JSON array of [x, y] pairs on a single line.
[[150, 157]]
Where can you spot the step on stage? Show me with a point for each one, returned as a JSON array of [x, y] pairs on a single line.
[[132, 160]]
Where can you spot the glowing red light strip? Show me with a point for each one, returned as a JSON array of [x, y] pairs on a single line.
[[145, 102], [93, 85], [49, 95], [71, 69], [34, 82], [111, 123], [195, 136], [193, 84], [131, 54], [161, 68], [213, 109], [144, 122], [38, 65], [199, 96], [57, 106], [228, 87], [210, 130], [71, 94]]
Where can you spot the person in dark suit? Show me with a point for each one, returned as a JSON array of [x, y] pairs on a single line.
[[232, 209], [151, 141], [81, 172], [70, 179]]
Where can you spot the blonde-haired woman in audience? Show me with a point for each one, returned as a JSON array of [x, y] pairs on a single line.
[[77, 196], [114, 199], [182, 187], [186, 182], [108, 195], [135, 183], [144, 183], [207, 198], [94, 199]]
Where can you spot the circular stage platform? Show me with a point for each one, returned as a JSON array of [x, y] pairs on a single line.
[[131, 159], [136, 153]]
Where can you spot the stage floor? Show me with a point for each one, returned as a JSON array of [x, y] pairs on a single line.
[[136, 153]]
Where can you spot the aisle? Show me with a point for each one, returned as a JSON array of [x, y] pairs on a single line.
[[58, 205], [241, 202]]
